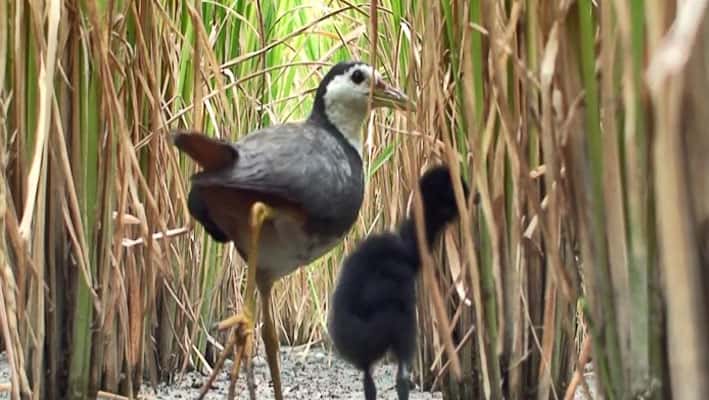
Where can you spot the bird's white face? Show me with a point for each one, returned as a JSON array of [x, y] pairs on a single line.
[[352, 87], [347, 99]]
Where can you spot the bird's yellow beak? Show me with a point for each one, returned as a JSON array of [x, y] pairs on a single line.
[[388, 96]]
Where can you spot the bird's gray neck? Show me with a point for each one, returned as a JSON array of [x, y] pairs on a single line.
[[348, 120]]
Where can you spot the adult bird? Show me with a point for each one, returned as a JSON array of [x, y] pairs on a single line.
[[374, 303], [286, 194]]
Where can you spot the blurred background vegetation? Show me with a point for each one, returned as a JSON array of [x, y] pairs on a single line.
[[581, 124]]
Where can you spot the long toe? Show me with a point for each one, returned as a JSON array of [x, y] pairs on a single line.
[[243, 321]]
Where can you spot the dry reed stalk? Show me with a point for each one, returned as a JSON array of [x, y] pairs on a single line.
[[4, 22], [197, 99], [685, 295], [46, 88], [443, 323], [16, 178], [110, 396], [8, 306], [579, 371], [637, 179]]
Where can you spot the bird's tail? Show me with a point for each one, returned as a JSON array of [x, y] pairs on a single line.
[[211, 154]]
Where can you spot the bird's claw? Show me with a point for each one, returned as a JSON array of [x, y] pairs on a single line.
[[244, 352], [242, 320], [243, 337]]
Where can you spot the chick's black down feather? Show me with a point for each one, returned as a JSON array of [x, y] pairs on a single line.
[[373, 306]]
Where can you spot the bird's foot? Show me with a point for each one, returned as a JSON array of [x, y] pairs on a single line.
[[243, 355], [243, 322], [241, 342], [243, 329]]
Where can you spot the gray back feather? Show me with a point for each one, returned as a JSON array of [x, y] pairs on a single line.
[[300, 162]]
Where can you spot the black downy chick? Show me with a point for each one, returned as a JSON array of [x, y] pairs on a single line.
[[374, 304]]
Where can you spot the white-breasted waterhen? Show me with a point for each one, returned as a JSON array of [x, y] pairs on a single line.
[[286, 194], [373, 307]]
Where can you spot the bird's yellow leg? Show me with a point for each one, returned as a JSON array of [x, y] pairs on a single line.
[[238, 356], [270, 339], [259, 213], [220, 361], [244, 321]]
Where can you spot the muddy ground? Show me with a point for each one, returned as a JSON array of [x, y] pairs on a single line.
[[313, 374]]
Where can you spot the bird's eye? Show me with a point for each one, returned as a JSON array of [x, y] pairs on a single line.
[[357, 77]]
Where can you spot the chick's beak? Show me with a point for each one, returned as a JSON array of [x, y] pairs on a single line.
[[388, 96]]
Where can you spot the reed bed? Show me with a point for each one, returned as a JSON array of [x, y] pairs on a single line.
[[581, 125]]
